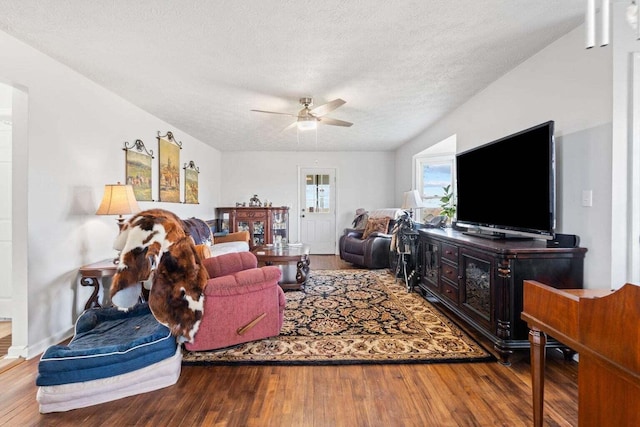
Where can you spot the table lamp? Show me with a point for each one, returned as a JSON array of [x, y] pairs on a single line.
[[411, 200], [118, 199]]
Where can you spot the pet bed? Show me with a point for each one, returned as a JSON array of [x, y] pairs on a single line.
[[107, 342], [70, 396]]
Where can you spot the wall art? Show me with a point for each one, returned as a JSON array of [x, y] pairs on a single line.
[[138, 169], [169, 168], [191, 182]]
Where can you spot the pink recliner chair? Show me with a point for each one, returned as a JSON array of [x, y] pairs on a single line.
[[241, 302]]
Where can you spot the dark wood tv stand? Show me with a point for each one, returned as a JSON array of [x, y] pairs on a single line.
[[481, 280]]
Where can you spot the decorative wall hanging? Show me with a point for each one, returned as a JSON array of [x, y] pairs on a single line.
[[138, 169], [191, 182], [169, 168]]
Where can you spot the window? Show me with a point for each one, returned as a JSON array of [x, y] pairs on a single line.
[[434, 169], [434, 173]]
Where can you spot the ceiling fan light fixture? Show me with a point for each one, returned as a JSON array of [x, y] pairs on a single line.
[[307, 123]]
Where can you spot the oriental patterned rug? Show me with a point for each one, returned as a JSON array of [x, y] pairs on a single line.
[[350, 317]]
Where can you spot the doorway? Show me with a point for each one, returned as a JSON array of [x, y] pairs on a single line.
[[317, 201]]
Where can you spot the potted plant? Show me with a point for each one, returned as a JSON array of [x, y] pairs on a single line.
[[447, 205]]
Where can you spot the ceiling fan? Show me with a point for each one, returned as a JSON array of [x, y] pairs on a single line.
[[308, 119]]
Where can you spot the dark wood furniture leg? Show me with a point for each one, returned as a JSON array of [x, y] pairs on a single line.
[[92, 274], [294, 256], [303, 270], [93, 299], [538, 340]]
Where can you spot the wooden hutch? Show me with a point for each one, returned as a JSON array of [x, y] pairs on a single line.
[[264, 224]]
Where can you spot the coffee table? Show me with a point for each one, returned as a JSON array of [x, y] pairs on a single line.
[[285, 256]]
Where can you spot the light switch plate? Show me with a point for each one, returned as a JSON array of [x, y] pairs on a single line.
[[587, 198]]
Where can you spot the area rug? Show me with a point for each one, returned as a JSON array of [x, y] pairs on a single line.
[[354, 316]]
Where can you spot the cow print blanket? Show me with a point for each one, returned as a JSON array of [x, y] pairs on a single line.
[[155, 246]]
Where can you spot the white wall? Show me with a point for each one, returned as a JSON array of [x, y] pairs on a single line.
[[67, 144], [363, 180], [624, 237], [6, 95], [567, 84]]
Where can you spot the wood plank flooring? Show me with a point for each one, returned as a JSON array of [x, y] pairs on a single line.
[[5, 337], [474, 394]]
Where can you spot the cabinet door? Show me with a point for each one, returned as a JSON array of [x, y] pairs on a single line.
[[280, 226], [430, 264], [225, 220], [477, 286], [258, 232]]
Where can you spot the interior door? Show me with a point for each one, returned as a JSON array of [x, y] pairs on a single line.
[[317, 209]]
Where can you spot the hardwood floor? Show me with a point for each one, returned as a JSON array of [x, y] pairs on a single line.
[[5, 337], [474, 394]]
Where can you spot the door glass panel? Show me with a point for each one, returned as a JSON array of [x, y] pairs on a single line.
[[280, 226], [224, 222], [318, 193], [430, 260], [477, 286], [258, 233]]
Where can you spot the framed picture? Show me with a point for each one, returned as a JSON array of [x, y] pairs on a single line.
[[138, 169], [169, 168], [191, 182]]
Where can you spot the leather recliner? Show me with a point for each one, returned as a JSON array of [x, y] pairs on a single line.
[[372, 252]]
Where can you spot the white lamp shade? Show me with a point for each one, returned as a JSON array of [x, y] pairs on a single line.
[[411, 200], [118, 199]]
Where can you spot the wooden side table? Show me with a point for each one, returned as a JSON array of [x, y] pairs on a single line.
[[90, 275], [285, 255]]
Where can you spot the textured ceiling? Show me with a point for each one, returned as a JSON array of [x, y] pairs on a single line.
[[202, 65]]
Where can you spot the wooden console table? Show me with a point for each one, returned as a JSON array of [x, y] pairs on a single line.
[[481, 280], [90, 275], [604, 328]]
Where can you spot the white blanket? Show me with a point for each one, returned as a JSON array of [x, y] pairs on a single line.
[[228, 247]]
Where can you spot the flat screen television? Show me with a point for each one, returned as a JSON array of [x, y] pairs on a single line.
[[506, 188]]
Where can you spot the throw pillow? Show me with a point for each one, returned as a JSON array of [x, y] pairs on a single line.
[[379, 225]]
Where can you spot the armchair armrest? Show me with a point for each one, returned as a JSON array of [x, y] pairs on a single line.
[[353, 232], [238, 236], [203, 251], [379, 234]]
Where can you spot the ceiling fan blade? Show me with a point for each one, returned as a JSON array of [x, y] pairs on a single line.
[[292, 125], [328, 107], [274, 112], [333, 122]]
